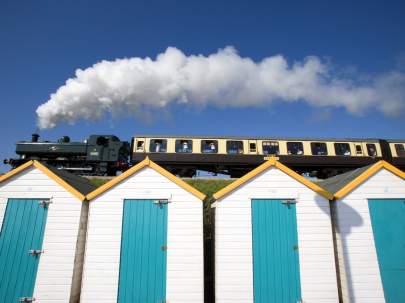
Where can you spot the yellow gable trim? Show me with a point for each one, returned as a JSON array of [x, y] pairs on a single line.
[[272, 162], [59, 180], [106, 186], [231, 187], [176, 180], [16, 171], [136, 168], [367, 174], [316, 188], [47, 172]]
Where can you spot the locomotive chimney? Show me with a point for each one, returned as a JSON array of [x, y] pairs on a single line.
[[34, 138]]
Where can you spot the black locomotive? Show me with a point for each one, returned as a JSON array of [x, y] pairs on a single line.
[[98, 155]]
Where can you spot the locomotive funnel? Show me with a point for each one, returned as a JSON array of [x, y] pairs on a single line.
[[35, 138]]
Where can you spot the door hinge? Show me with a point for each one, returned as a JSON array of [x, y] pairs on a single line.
[[26, 299], [289, 201], [160, 202], [163, 247], [44, 203], [35, 252]]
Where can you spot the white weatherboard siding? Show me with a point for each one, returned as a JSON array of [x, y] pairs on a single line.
[[55, 269], [358, 263], [185, 271], [233, 239]]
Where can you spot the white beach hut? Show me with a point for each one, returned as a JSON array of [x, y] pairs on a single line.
[[145, 239], [369, 218], [43, 225], [273, 239]]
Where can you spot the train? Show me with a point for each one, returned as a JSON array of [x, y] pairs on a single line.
[[233, 156], [98, 155]]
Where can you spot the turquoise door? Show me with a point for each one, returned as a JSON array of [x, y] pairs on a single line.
[[276, 276], [388, 222], [143, 252], [22, 231]]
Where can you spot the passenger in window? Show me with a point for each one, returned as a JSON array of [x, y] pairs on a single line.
[[157, 147], [212, 147], [185, 147], [346, 153], [140, 145]]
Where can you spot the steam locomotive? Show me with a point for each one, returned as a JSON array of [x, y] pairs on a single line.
[[98, 155]]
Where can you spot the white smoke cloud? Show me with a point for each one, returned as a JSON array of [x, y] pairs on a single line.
[[223, 79]]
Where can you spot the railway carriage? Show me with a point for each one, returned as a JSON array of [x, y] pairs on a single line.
[[183, 155]]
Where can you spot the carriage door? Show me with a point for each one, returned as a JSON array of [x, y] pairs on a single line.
[[21, 238], [388, 223], [142, 275], [252, 148], [276, 276]]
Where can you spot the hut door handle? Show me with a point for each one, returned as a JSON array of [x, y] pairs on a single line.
[[35, 253]]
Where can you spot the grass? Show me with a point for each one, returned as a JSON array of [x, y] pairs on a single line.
[[208, 186], [98, 182]]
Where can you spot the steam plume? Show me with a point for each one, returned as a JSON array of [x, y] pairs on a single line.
[[223, 79]]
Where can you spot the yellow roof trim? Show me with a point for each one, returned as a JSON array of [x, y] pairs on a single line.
[[136, 168], [16, 171], [271, 162], [47, 172], [367, 174], [311, 185]]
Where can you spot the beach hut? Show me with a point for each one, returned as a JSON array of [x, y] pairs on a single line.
[[369, 218], [43, 225], [144, 240], [273, 239]]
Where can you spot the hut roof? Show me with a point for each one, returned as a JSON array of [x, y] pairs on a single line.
[[266, 165], [343, 184], [76, 185], [145, 163]]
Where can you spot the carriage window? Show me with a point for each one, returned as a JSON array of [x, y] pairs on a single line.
[[252, 147], [234, 147], [371, 150], [271, 148], [319, 148], [140, 145], [209, 146], [158, 146], [184, 146], [295, 148], [342, 149], [400, 150], [359, 151]]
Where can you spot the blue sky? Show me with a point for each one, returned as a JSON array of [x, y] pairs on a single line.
[[42, 43]]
